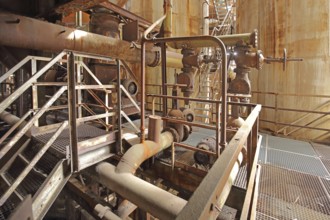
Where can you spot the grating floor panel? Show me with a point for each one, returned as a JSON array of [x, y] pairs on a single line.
[[323, 151], [84, 132], [294, 188], [285, 144], [240, 180], [326, 164], [298, 162], [326, 184]]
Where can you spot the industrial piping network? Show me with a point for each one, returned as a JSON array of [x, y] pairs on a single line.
[[19, 31], [121, 179]]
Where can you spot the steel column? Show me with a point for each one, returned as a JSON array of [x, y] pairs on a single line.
[[72, 113]]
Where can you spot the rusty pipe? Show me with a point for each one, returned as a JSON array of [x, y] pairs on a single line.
[[138, 153], [23, 32]]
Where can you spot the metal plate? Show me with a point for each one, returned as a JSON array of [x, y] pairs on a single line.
[[285, 192], [298, 162]]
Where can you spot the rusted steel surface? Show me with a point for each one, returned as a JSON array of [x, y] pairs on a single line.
[[55, 38], [127, 14], [77, 5]]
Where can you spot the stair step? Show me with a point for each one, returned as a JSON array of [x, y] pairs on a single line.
[[204, 109], [201, 116]]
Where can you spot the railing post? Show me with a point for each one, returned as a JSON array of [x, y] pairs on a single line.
[[217, 137], [34, 88], [79, 97], [119, 134], [276, 113], [72, 112]]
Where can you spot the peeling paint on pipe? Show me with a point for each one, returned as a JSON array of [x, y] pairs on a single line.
[[148, 197], [138, 153], [23, 32]]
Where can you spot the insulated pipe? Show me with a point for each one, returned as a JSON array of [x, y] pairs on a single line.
[[138, 153], [23, 32], [148, 197], [104, 212], [11, 119]]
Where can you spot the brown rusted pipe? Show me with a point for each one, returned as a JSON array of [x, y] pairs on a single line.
[[23, 32], [138, 153], [154, 128]]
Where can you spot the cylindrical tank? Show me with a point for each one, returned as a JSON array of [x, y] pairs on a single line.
[[302, 27]]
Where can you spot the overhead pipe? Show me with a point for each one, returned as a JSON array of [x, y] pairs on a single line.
[[29, 33]]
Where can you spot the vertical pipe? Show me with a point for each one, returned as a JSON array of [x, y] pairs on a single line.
[[154, 128], [217, 129], [223, 95], [119, 142], [72, 113], [206, 17], [164, 77], [168, 5], [143, 92]]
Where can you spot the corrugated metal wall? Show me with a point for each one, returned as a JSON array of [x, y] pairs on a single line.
[[301, 26]]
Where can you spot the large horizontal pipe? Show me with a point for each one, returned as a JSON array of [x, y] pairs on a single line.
[[138, 153], [23, 32], [148, 197]]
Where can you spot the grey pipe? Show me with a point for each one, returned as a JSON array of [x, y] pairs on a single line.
[[148, 197], [104, 212], [138, 153]]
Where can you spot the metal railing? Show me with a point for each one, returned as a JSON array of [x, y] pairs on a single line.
[[73, 95], [304, 118]]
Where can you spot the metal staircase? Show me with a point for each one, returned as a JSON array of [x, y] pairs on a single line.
[[223, 17], [37, 161]]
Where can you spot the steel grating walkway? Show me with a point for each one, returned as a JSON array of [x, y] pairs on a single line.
[[295, 180]]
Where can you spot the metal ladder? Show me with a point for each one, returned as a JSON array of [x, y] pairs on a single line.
[[224, 16]]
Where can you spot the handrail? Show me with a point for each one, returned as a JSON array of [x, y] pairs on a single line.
[[307, 113], [29, 124], [10, 99], [204, 199], [32, 163], [130, 98]]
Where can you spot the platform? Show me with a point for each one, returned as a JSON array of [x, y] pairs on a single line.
[[295, 180]]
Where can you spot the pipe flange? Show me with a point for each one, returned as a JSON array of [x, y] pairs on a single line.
[[156, 61], [175, 134], [186, 132]]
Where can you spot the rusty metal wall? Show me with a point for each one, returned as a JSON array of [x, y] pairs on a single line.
[[187, 21], [303, 28]]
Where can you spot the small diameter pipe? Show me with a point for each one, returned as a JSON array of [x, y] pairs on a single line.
[[138, 153], [148, 197], [104, 212]]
